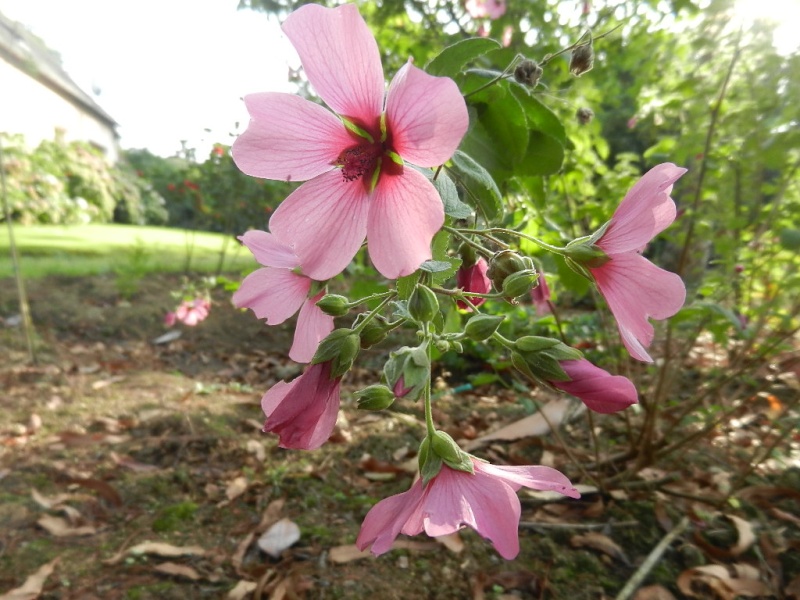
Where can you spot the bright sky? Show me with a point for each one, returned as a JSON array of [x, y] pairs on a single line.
[[167, 69]]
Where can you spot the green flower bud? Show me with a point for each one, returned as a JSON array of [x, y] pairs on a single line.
[[374, 397], [535, 343], [442, 345], [481, 327], [519, 283], [407, 371], [374, 332], [503, 264], [340, 348], [334, 305], [586, 254], [423, 305]]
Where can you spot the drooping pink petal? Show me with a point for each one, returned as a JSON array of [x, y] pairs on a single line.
[[540, 296], [340, 58], [644, 213], [268, 250], [305, 413], [404, 215], [535, 477], [272, 294], [289, 138], [275, 395], [386, 519], [473, 279], [598, 390], [427, 116], [635, 290], [325, 221], [313, 326]]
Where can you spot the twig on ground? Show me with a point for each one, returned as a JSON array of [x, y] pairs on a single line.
[[577, 526]]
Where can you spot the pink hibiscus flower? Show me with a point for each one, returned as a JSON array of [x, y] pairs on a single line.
[[478, 9], [474, 279], [599, 390], [275, 293], [189, 312], [634, 288], [303, 412], [486, 501], [540, 296], [357, 184]]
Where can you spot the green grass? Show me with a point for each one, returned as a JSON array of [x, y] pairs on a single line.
[[79, 250]]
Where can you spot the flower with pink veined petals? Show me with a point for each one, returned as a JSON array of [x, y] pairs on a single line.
[[189, 312], [303, 412], [599, 390], [356, 184], [634, 288], [485, 500], [478, 9], [275, 292], [540, 296], [473, 279]]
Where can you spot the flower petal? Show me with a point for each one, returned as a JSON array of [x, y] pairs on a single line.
[[635, 289], [405, 214], [426, 115], [272, 294], [325, 222], [268, 250], [599, 390], [340, 58], [289, 138], [385, 520], [275, 395], [644, 213], [313, 326], [534, 477]]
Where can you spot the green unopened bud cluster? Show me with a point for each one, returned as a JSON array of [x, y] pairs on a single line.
[[407, 371], [540, 357], [512, 274]]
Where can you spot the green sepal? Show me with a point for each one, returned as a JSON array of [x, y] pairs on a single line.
[[395, 157], [429, 463], [374, 397], [585, 253], [340, 347], [375, 175], [446, 448], [517, 284], [362, 133], [481, 327], [423, 304], [535, 343]]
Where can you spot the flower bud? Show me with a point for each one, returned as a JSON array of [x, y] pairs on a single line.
[[340, 348], [582, 59], [374, 397], [374, 332], [503, 264], [446, 448], [442, 346], [481, 327], [519, 283], [334, 305], [540, 357], [586, 254], [407, 371], [528, 72], [584, 115], [423, 305]]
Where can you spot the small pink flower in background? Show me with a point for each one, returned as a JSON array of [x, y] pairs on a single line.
[[303, 412], [597, 389], [189, 312], [479, 9], [474, 279], [632, 122], [356, 185], [634, 288], [540, 296], [486, 501], [275, 293], [508, 34]]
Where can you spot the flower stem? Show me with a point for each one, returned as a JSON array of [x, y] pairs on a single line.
[[431, 428], [487, 233], [502, 75], [373, 313]]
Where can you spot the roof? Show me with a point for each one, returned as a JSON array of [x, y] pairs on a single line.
[[29, 54]]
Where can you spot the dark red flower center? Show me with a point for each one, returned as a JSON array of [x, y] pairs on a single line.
[[358, 161]]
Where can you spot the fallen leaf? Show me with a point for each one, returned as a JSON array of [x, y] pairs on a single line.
[[241, 590], [726, 582], [48, 502], [534, 425], [745, 532], [129, 463], [103, 489], [170, 568], [61, 528], [347, 553], [654, 592], [236, 488], [33, 585], [603, 543], [167, 550], [452, 542], [279, 537], [257, 448]]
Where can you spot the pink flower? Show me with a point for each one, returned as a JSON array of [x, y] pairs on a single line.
[[634, 288], [192, 312], [170, 319], [540, 296], [275, 293], [356, 184], [486, 501], [473, 279], [303, 412], [478, 9], [597, 389]]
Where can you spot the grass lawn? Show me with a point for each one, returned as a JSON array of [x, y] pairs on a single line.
[[78, 250]]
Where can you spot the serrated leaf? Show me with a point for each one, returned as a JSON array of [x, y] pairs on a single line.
[[405, 285], [441, 242], [453, 206], [482, 188], [451, 60]]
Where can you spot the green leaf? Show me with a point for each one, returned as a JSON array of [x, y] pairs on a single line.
[[790, 239], [441, 242], [481, 187], [435, 266], [452, 59], [539, 116], [406, 285], [544, 157], [506, 130], [453, 206]]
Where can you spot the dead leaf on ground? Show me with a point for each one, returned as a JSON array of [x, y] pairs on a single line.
[[603, 543], [452, 542], [534, 425], [166, 550], [241, 590], [121, 460], [235, 488], [270, 516], [170, 568], [61, 528], [48, 502], [722, 582], [347, 553], [103, 489], [33, 585], [279, 537], [654, 592]]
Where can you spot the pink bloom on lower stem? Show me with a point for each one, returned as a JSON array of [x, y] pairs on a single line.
[[275, 293], [478, 9], [485, 500], [191, 312], [356, 182], [599, 390], [474, 279], [634, 288], [540, 296], [303, 412]]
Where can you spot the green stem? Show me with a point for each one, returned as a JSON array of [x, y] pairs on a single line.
[[488, 232], [478, 248], [381, 295], [428, 404], [373, 313], [502, 75]]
